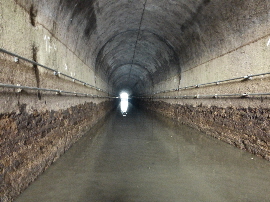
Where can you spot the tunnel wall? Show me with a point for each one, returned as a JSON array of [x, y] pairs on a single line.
[[36, 127], [224, 40]]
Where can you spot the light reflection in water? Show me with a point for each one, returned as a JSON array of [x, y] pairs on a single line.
[[124, 103]]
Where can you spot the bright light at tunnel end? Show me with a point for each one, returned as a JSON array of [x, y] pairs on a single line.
[[124, 95]]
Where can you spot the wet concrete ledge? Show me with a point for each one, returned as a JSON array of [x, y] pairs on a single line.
[[30, 143], [245, 128]]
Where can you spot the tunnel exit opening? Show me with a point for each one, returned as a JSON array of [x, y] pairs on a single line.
[[124, 95]]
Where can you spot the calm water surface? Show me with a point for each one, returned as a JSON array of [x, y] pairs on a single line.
[[140, 158]]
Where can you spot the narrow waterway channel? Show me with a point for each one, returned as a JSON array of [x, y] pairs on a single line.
[[139, 157]]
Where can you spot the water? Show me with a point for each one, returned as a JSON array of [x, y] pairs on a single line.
[[137, 157]]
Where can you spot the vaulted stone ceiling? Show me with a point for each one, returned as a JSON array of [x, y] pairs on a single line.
[[135, 44]]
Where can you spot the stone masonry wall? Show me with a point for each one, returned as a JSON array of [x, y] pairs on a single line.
[[246, 128], [31, 142]]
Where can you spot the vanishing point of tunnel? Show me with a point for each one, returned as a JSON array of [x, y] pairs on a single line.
[[197, 74]]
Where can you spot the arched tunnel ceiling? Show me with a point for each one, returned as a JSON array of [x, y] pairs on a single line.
[[139, 48], [131, 40], [135, 44], [132, 44]]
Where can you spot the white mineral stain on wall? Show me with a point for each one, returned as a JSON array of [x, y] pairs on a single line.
[[268, 43], [49, 45]]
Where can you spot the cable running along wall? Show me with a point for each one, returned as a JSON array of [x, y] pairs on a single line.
[[56, 73], [243, 78]]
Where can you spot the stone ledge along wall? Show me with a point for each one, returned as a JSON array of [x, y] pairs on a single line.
[[245, 128], [36, 127]]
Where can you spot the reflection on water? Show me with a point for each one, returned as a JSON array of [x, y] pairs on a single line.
[[124, 103], [139, 158], [124, 106]]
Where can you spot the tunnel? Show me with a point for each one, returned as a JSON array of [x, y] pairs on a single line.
[[64, 64]]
